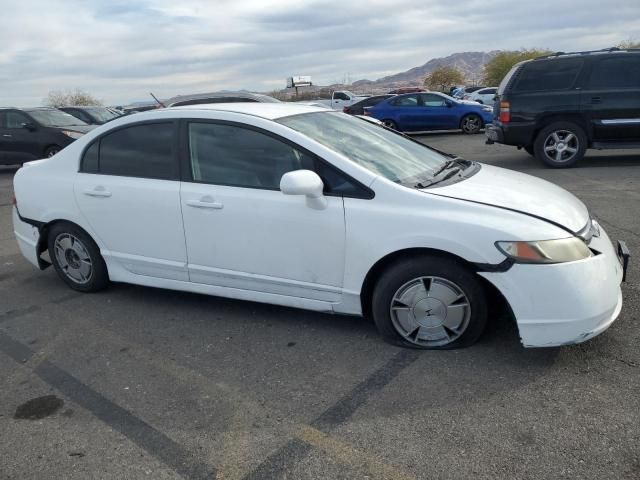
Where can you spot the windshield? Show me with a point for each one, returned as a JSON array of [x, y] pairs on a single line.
[[55, 118], [376, 148], [101, 114]]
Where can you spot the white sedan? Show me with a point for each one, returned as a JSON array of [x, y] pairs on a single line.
[[484, 95], [299, 206]]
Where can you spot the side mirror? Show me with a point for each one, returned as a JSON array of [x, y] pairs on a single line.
[[448, 103], [29, 126], [304, 182]]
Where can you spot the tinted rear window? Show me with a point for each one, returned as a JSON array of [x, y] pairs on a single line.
[[137, 151], [546, 75], [616, 72]]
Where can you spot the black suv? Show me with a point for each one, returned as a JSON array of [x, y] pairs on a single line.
[[557, 106], [32, 133]]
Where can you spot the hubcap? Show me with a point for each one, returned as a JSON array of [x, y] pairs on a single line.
[[73, 258], [471, 124], [561, 146], [430, 311]]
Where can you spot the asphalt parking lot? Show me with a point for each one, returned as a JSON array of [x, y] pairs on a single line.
[[147, 383]]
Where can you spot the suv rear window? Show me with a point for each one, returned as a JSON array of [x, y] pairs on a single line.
[[546, 75], [616, 72]]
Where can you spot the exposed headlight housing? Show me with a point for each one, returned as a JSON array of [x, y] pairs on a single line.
[[71, 134], [546, 251]]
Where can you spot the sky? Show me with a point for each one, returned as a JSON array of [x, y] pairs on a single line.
[[120, 50]]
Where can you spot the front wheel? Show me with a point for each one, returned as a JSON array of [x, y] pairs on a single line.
[[429, 302], [76, 258], [471, 124], [560, 144]]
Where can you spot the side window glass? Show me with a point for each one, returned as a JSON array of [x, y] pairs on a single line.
[[340, 96], [432, 100], [90, 158], [139, 151], [231, 155], [15, 120], [547, 75], [406, 101], [621, 72]]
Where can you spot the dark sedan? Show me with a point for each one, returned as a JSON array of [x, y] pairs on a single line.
[[33, 133], [358, 107]]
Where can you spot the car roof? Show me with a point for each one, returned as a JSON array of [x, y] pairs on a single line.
[[203, 96], [270, 111]]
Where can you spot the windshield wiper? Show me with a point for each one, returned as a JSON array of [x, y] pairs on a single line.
[[452, 167]]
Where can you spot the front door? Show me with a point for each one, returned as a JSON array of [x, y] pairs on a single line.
[[242, 232], [611, 99], [436, 113], [128, 190]]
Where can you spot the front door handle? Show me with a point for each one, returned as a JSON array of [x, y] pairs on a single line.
[[5, 135], [205, 202], [596, 99], [97, 192]]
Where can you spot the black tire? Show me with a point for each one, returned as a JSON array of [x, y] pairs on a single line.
[[565, 158], [529, 150], [471, 124], [51, 150], [390, 124], [402, 273], [98, 278]]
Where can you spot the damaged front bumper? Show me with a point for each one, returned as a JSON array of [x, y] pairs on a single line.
[[566, 303]]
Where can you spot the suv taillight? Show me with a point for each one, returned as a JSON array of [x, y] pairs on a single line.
[[505, 112], [14, 201]]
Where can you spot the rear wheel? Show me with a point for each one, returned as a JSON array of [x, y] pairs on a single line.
[[390, 124], [471, 124], [51, 151], [429, 303], [76, 258], [560, 144]]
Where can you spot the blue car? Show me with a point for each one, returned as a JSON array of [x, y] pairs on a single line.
[[416, 112]]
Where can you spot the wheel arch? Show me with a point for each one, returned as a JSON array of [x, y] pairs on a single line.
[[43, 241], [547, 119], [496, 300]]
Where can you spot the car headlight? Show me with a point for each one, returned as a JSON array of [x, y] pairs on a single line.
[[71, 134], [546, 251]]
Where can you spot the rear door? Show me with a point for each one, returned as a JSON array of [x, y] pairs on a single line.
[[611, 99], [408, 112], [128, 190]]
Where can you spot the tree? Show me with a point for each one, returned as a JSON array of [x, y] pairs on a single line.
[[629, 44], [496, 68], [59, 98], [442, 78]]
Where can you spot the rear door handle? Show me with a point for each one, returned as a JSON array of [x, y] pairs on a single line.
[[205, 202], [97, 192], [5, 135], [596, 99]]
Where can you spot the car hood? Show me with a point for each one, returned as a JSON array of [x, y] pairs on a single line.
[[77, 128], [519, 192]]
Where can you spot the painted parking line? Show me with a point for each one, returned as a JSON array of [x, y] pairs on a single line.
[[303, 437], [116, 417]]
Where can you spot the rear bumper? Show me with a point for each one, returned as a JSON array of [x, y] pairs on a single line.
[[517, 134], [27, 237], [564, 303]]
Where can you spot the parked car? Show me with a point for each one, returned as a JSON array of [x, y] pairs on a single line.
[[32, 133], [417, 112], [485, 96], [219, 97], [463, 92], [91, 115], [558, 106], [358, 107], [339, 100], [299, 206]]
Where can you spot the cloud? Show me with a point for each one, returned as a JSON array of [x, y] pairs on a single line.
[[120, 50]]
